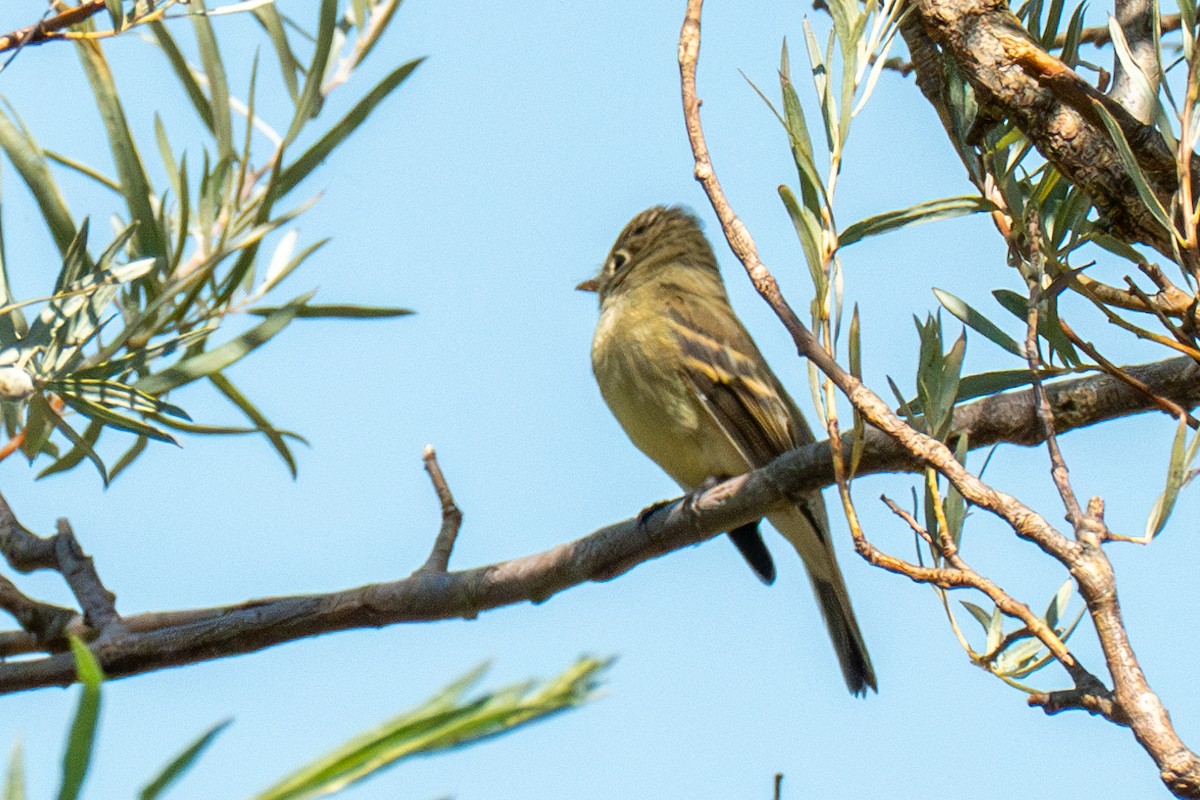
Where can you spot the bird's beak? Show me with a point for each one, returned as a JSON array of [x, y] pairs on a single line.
[[590, 285]]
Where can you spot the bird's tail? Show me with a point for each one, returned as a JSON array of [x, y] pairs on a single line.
[[806, 527], [749, 543]]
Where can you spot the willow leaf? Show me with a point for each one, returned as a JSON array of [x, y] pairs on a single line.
[[308, 161], [945, 208], [221, 357]]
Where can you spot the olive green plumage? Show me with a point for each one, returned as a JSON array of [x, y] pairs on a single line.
[[692, 391]]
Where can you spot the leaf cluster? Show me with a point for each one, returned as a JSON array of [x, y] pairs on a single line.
[[129, 324], [450, 719]]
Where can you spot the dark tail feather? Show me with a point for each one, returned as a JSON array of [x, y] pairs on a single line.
[[846, 637], [749, 543]]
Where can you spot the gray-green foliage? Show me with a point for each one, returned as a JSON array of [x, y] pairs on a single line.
[[452, 718], [132, 319]]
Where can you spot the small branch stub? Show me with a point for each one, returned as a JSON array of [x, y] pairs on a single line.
[[443, 546]]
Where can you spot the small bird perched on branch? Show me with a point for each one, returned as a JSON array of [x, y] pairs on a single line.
[[690, 388]]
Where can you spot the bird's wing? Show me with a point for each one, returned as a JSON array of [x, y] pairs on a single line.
[[736, 387], [750, 406]]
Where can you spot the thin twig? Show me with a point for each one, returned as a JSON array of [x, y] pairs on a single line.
[[960, 575], [443, 546], [45, 622], [51, 27], [26, 552], [78, 570], [1058, 465], [1164, 403], [1100, 703]]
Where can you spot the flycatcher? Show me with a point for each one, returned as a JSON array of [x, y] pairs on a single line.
[[685, 380]]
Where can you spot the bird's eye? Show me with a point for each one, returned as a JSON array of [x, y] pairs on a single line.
[[619, 259]]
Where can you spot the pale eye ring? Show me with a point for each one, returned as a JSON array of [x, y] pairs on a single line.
[[619, 259]]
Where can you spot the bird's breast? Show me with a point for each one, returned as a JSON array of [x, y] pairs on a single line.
[[637, 366]]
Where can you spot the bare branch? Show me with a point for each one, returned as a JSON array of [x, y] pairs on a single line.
[[1058, 466], [52, 27], [27, 552], [1099, 703], [44, 622], [1164, 403], [162, 639], [98, 603], [443, 546], [960, 575], [1015, 78]]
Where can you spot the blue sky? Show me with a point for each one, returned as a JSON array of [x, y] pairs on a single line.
[[479, 195]]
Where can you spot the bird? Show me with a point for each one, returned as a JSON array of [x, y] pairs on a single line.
[[686, 382]]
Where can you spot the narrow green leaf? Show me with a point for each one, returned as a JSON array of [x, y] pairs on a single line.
[[135, 186], [447, 721], [1183, 455], [84, 170], [39, 425], [945, 208], [1149, 199], [1048, 327], [337, 312], [308, 161], [183, 73], [373, 27], [140, 359], [855, 354], [219, 358], [1070, 51], [167, 153], [797, 128], [951, 373], [112, 394], [181, 763], [982, 617], [116, 11], [268, 16], [27, 157], [78, 441], [1115, 246], [218, 85], [231, 392], [128, 457], [283, 263], [75, 260], [995, 631], [83, 730], [1187, 17], [1053, 19], [223, 430], [1058, 603], [820, 73], [809, 233], [978, 322], [97, 412], [955, 508], [881, 61], [76, 454], [311, 96], [1017, 654], [14, 782]]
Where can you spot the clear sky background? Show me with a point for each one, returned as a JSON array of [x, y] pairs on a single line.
[[479, 195]]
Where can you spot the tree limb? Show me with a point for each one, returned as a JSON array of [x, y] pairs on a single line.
[[1056, 109], [157, 640]]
